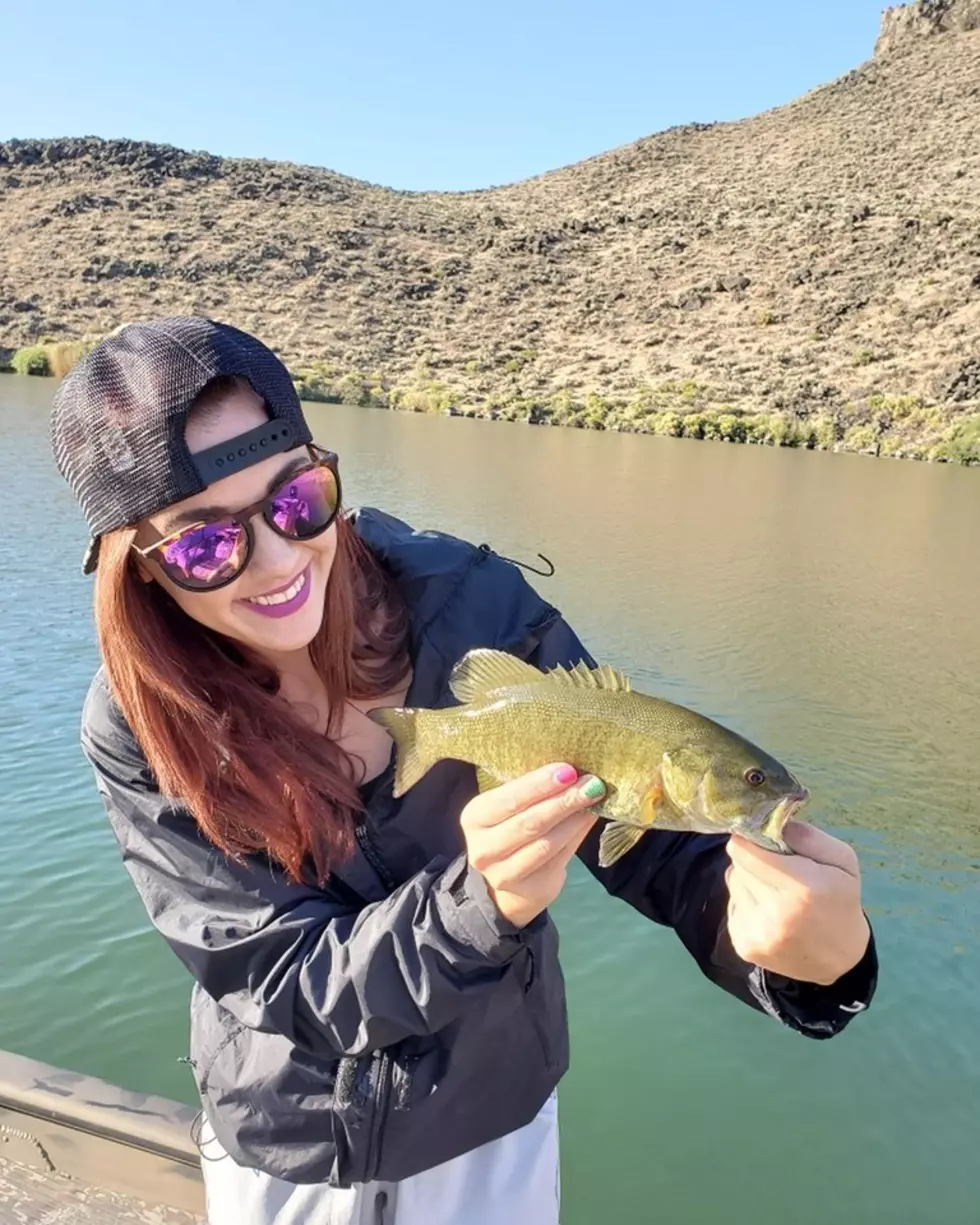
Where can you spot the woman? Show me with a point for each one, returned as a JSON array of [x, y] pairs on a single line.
[[378, 1016]]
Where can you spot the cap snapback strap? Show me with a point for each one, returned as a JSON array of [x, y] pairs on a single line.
[[249, 448]]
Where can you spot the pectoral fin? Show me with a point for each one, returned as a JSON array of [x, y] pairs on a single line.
[[654, 801], [681, 771], [617, 838]]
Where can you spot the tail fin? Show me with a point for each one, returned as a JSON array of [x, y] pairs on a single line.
[[411, 761]]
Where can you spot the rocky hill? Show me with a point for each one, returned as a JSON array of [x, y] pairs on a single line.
[[811, 274]]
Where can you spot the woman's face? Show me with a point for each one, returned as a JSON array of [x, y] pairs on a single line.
[[276, 564]]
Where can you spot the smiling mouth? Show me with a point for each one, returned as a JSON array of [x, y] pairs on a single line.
[[281, 595]]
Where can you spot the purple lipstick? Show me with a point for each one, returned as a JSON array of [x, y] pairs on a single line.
[[273, 603]]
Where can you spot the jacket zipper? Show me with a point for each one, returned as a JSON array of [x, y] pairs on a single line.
[[382, 1087], [381, 1096], [371, 855], [382, 1080]]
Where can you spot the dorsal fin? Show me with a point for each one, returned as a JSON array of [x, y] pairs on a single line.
[[482, 670], [603, 677]]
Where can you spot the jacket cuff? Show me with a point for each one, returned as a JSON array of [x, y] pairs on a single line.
[[474, 918], [814, 1010]]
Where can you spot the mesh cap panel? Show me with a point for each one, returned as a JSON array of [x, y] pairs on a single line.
[[117, 426]]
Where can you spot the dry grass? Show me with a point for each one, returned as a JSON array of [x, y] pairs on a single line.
[[62, 356]]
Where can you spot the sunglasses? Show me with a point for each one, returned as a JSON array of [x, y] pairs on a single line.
[[212, 554]]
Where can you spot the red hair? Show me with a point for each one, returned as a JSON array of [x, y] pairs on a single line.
[[214, 730]]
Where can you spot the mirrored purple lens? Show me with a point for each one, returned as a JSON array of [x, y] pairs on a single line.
[[304, 504], [206, 555]]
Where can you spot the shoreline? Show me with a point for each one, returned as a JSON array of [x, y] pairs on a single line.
[[895, 427]]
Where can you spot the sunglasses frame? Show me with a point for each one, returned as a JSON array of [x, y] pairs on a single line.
[[319, 458]]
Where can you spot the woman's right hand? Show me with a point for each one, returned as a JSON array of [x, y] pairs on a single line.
[[521, 835]]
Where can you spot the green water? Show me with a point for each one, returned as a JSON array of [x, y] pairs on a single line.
[[827, 606]]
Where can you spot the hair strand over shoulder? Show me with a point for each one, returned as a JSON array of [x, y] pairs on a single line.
[[215, 732]]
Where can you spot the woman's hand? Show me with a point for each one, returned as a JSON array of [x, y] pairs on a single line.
[[797, 915], [521, 835]]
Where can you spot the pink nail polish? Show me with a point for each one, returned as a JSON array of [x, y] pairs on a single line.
[[565, 775]]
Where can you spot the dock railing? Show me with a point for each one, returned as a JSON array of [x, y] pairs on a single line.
[[86, 1129]]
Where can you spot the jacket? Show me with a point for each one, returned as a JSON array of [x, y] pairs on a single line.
[[394, 1019]]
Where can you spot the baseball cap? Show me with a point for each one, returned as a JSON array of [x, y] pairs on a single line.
[[117, 425]]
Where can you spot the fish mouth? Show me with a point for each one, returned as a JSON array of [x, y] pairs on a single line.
[[784, 810]]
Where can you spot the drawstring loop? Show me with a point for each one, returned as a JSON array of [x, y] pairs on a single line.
[[485, 548]]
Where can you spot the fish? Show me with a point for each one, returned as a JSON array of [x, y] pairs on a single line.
[[665, 767]]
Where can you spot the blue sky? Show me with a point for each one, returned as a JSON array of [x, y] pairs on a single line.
[[424, 95]]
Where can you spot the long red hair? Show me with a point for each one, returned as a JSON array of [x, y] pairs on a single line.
[[207, 715]]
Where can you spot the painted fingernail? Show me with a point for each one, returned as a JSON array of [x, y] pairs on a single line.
[[565, 775], [594, 788]]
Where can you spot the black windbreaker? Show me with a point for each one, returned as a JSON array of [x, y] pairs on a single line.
[[394, 1019]]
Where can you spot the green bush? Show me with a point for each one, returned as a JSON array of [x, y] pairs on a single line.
[[898, 425], [313, 391], [892, 444], [964, 445], [774, 431], [825, 433], [861, 438], [732, 428], [432, 397], [710, 427], [355, 389], [643, 403], [894, 408], [49, 357], [522, 408], [693, 425], [32, 360], [669, 424], [561, 407]]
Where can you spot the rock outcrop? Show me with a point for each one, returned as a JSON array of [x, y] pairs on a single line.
[[908, 23]]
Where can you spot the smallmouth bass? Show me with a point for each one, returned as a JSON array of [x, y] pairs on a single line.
[[665, 767]]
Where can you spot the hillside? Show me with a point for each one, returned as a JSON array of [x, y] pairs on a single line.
[[817, 265]]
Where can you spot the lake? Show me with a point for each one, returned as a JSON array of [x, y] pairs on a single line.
[[824, 605]]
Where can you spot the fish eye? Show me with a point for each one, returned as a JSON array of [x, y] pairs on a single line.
[[754, 778]]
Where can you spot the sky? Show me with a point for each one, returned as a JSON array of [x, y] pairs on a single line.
[[444, 95]]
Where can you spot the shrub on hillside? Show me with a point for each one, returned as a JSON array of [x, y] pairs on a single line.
[[964, 445], [31, 360]]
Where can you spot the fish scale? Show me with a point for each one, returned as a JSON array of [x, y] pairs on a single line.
[[599, 733]]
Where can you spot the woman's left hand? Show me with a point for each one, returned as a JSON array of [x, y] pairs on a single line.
[[797, 915]]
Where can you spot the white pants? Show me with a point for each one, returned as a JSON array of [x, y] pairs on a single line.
[[509, 1181]]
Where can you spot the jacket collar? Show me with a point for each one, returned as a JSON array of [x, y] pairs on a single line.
[[458, 595]]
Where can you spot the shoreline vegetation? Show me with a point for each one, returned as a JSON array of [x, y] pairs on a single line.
[[897, 427]]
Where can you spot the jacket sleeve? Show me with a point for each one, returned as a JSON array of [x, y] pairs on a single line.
[[290, 958], [678, 880]]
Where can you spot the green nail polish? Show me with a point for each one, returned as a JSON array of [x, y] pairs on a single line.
[[594, 788]]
